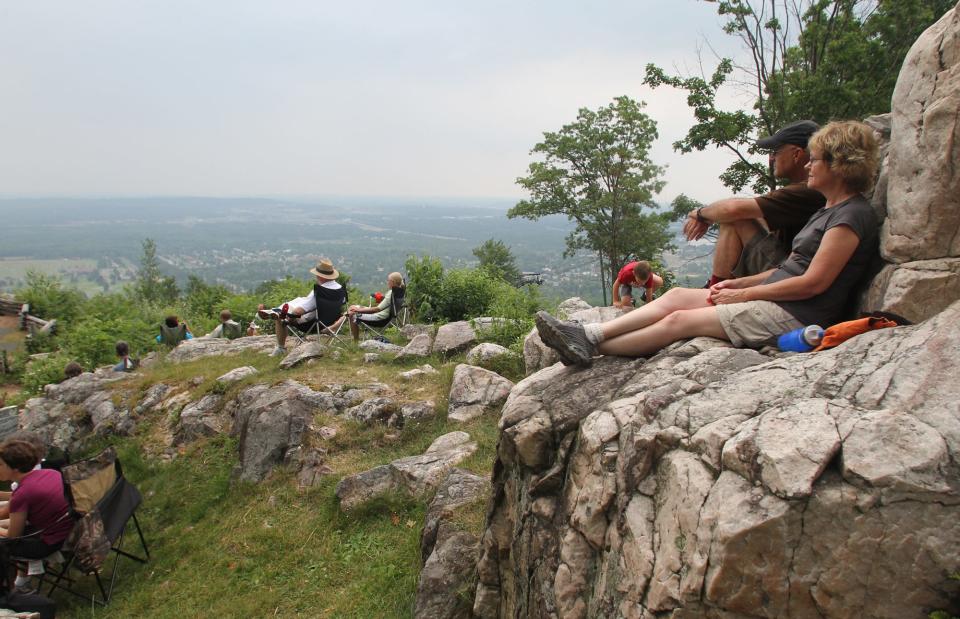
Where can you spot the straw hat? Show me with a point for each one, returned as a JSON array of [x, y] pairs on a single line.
[[325, 269]]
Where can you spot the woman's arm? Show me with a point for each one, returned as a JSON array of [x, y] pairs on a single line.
[[835, 251], [18, 521]]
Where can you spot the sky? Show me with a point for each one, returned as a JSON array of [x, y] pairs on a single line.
[[312, 97]]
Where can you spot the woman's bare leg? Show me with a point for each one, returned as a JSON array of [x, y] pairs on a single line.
[[673, 300], [678, 325]]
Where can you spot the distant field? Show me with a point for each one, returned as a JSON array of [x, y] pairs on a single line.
[[16, 268]]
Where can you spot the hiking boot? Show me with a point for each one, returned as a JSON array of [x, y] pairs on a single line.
[[278, 352], [567, 338]]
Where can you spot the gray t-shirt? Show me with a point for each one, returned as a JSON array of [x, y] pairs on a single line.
[[827, 307]]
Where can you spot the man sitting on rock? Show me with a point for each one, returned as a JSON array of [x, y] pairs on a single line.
[[756, 233], [228, 327], [325, 303]]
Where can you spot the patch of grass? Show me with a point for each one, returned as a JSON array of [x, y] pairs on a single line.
[[227, 549]]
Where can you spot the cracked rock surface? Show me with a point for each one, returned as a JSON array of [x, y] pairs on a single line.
[[715, 482]]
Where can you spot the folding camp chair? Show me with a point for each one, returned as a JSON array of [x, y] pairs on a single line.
[[97, 486], [397, 317], [314, 326]]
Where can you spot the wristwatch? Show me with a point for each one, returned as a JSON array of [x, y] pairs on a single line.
[[700, 217]]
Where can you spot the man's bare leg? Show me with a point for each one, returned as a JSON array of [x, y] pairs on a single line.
[[731, 240], [281, 333]]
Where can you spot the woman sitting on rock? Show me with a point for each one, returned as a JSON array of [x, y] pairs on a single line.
[[812, 286]]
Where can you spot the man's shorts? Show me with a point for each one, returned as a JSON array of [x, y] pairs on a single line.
[[627, 291], [755, 323], [761, 253]]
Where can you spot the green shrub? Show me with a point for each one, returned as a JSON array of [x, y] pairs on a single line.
[[466, 293], [49, 299], [424, 280], [40, 372]]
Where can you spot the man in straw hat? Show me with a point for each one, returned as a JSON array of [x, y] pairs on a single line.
[[303, 311]]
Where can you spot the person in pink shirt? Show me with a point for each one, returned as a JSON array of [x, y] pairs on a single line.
[[36, 506]]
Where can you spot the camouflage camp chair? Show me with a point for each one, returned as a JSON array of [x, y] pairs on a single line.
[[103, 502], [171, 336]]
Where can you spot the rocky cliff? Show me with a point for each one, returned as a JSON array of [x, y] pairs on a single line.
[[714, 482]]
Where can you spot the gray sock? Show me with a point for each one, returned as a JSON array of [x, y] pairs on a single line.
[[593, 332]]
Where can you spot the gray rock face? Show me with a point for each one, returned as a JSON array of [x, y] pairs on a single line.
[[460, 489], [371, 357], [415, 476], [411, 331], [237, 374], [420, 372], [915, 290], [374, 410], [75, 408], [486, 352], [380, 347], [198, 348], [924, 173], [571, 306], [445, 576], [304, 352], [420, 346], [715, 482], [199, 419], [272, 423], [475, 390], [415, 412], [454, 337]]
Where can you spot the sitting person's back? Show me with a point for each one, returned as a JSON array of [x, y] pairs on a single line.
[[228, 328], [173, 331]]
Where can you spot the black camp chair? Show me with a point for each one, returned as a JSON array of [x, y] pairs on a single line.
[[330, 304], [397, 317], [96, 486]]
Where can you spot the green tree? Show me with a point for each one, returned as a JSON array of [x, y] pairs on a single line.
[[816, 59], [497, 259], [151, 286], [597, 171], [424, 282]]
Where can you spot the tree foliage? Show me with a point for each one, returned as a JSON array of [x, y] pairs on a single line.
[[597, 172], [806, 59], [151, 285], [497, 259]]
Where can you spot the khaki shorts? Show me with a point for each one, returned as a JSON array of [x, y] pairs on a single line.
[[761, 253], [755, 323]]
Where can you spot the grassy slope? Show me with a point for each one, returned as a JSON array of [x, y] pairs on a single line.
[[242, 550]]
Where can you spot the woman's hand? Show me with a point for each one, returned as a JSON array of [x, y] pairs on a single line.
[[728, 295]]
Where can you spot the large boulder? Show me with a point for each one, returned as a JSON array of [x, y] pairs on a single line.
[[715, 482], [198, 347], [486, 352], [415, 476], [921, 233], [420, 346], [454, 337], [475, 390], [200, 419], [272, 423]]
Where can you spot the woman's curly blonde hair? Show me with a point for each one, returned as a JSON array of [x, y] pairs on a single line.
[[850, 149]]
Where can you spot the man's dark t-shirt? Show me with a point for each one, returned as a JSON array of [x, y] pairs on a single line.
[[827, 307], [787, 210]]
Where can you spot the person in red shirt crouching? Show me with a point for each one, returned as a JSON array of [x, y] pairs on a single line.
[[635, 275]]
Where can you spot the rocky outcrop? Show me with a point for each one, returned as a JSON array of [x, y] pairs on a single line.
[[70, 411], [380, 347], [485, 353], [420, 346], [475, 390], [424, 370], [198, 348], [454, 337], [304, 352], [921, 234], [237, 374], [201, 418], [415, 476], [715, 482], [272, 423]]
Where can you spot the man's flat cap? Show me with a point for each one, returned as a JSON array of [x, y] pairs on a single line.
[[797, 133]]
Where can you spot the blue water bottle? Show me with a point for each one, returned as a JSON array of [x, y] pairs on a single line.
[[803, 339]]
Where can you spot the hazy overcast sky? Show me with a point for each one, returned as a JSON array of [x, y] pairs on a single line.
[[311, 97]]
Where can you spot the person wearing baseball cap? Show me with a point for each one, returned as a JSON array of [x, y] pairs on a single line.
[[756, 233]]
